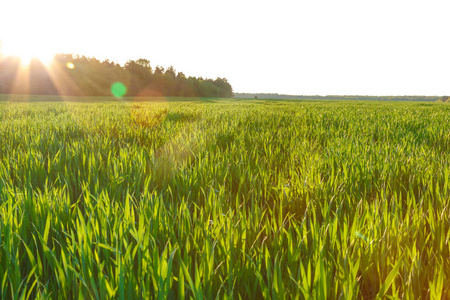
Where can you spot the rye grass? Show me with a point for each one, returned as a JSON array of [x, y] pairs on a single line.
[[224, 199]]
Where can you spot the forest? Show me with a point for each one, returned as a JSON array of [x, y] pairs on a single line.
[[77, 75]]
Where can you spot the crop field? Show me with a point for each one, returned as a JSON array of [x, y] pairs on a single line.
[[221, 199]]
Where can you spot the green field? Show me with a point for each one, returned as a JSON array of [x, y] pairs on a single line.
[[207, 198]]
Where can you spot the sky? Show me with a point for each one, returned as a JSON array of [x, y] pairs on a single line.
[[320, 47]]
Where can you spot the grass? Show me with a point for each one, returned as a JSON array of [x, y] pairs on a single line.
[[224, 199]]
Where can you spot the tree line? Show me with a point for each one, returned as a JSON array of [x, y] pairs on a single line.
[[334, 97], [74, 75]]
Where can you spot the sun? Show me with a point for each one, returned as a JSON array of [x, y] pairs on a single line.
[[27, 52]]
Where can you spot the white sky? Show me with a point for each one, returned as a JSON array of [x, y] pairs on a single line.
[[360, 47]]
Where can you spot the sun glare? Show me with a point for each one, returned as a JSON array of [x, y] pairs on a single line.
[[27, 53]]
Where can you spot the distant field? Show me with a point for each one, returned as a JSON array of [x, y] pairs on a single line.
[[208, 198]]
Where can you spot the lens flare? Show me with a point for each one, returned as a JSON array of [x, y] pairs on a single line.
[[118, 89], [361, 236], [70, 65]]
